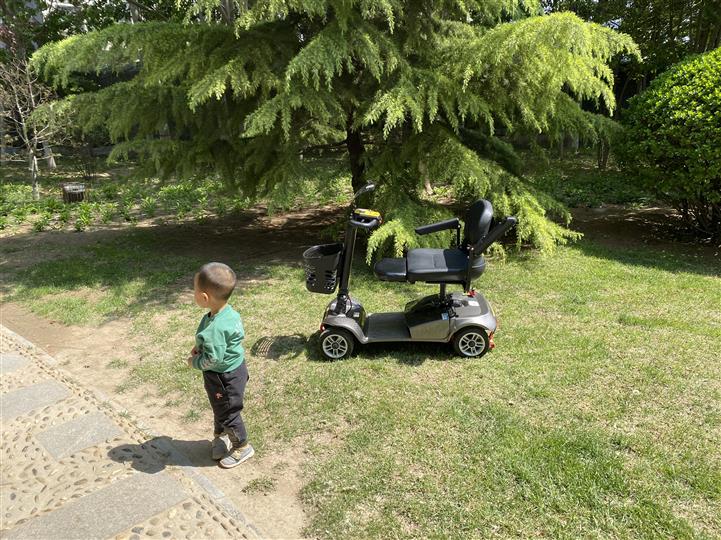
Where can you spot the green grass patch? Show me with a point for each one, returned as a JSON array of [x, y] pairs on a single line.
[[261, 486], [118, 363], [193, 415], [598, 415], [489, 472]]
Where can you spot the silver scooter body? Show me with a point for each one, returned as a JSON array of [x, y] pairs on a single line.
[[425, 320]]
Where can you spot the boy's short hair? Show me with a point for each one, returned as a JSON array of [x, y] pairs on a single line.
[[216, 279]]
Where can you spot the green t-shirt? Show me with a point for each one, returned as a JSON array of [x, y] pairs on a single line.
[[218, 341]]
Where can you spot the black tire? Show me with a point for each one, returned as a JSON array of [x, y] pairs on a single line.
[[471, 342], [336, 343]]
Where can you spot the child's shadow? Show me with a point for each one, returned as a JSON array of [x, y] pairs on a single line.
[[154, 455]]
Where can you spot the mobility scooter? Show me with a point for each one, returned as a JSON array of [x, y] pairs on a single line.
[[466, 319]]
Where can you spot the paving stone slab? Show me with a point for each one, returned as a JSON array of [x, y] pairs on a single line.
[[91, 493], [24, 400], [106, 512], [83, 432], [11, 362]]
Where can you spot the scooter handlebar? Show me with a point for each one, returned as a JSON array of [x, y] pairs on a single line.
[[364, 189], [372, 224]]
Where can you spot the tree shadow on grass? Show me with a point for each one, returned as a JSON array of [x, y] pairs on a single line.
[[674, 259], [649, 237], [405, 353], [292, 346], [151, 266], [157, 453]]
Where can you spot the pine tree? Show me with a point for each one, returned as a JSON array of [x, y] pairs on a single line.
[[386, 90]]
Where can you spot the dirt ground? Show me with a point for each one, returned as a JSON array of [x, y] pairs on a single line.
[[84, 351], [618, 226]]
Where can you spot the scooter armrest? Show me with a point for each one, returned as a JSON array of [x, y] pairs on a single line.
[[496, 233], [440, 226]]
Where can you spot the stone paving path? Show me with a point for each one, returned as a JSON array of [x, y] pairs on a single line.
[[73, 466]]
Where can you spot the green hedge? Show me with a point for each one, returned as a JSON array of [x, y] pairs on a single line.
[[673, 139]]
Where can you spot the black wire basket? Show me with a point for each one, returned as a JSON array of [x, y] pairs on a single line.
[[321, 267]]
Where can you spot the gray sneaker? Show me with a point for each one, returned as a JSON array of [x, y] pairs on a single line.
[[237, 456], [221, 447]]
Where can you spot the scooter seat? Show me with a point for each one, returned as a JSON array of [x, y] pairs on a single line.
[[390, 269], [441, 265]]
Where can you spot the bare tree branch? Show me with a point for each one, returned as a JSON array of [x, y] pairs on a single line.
[[21, 98]]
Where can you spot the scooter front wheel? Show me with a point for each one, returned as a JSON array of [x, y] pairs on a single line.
[[471, 342], [336, 343]]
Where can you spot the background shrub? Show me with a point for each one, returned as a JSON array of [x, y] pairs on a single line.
[[673, 139]]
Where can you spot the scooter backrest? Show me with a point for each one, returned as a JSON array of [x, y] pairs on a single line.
[[478, 221]]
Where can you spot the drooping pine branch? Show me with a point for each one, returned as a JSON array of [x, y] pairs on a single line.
[[402, 86]]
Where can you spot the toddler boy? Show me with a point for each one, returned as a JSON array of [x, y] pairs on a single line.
[[218, 352]]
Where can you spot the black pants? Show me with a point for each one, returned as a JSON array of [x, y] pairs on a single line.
[[225, 393]]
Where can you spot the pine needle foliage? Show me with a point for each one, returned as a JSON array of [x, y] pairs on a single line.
[[389, 87]]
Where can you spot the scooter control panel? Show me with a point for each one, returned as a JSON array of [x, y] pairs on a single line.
[[366, 214]]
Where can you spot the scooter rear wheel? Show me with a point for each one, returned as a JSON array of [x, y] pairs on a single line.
[[336, 343], [471, 342]]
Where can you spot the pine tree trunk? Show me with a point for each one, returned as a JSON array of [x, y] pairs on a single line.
[[423, 169], [2, 137], [227, 11], [714, 40], [33, 163], [716, 221], [427, 186], [604, 149], [134, 12], [619, 98], [684, 211], [48, 155], [354, 143], [575, 142], [606, 152]]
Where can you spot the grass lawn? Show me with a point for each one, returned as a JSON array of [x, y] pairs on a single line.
[[598, 415]]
